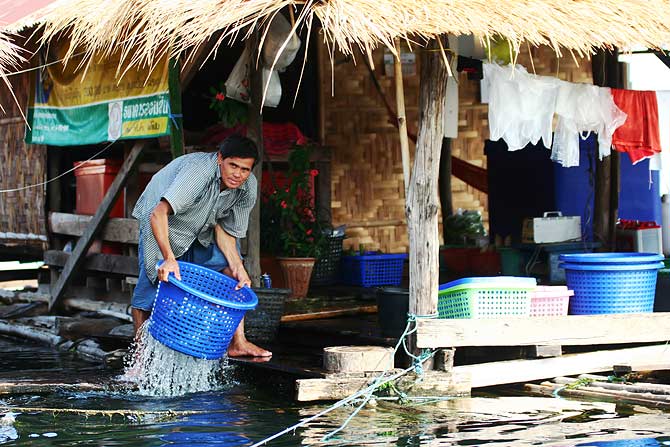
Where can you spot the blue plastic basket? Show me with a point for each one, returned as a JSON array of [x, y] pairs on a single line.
[[611, 288], [373, 270], [199, 314], [486, 297]]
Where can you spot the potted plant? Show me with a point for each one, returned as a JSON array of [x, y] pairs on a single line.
[[290, 228]]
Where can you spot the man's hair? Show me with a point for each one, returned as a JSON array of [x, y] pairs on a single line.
[[238, 146]]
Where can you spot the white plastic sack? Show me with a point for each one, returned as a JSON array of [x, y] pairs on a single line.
[[237, 84], [277, 35]]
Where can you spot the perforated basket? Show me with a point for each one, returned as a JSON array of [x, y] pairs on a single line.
[[485, 297], [547, 301], [327, 267], [612, 288], [372, 270], [199, 314]]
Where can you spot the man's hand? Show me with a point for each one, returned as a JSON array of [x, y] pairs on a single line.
[[240, 274], [167, 267]]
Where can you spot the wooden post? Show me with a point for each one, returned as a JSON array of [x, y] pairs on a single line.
[[84, 242], [606, 73], [422, 203], [446, 199], [402, 116], [255, 133], [176, 122]]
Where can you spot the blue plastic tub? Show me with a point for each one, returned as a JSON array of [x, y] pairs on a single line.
[[199, 314], [611, 287], [610, 258]]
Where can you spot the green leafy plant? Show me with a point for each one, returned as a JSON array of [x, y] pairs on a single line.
[[231, 112], [290, 212]]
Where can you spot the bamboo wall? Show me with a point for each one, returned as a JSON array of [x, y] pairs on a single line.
[[22, 213], [367, 180]]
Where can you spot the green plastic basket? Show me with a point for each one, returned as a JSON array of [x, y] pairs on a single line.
[[486, 298]]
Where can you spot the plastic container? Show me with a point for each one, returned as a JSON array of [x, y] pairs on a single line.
[[327, 267], [611, 287], [489, 297], [262, 324], [511, 261], [92, 183], [199, 314], [611, 258], [662, 300], [392, 309], [371, 270], [548, 301]]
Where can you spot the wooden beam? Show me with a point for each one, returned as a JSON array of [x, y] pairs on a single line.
[[578, 330], [97, 262], [320, 315], [117, 229], [116, 310], [18, 275], [85, 241], [513, 371], [336, 387]]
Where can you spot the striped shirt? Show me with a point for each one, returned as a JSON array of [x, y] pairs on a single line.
[[191, 185]]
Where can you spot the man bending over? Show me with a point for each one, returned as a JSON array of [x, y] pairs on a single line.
[[195, 209]]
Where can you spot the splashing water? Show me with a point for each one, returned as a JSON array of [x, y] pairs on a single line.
[[161, 371]]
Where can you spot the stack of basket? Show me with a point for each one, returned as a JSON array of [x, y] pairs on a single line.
[[607, 283], [501, 296]]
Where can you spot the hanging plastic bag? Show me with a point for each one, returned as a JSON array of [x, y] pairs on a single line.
[[237, 84], [278, 33]]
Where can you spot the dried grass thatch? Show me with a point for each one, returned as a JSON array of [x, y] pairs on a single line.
[[148, 29], [10, 57], [144, 31]]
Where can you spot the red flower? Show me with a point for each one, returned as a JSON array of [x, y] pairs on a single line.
[[283, 204], [308, 232], [220, 96], [314, 172]]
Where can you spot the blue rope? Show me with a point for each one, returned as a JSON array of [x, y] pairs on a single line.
[[367, 393], [173, 117], [417, 366]]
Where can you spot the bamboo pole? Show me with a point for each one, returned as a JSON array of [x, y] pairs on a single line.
[[402, 116]]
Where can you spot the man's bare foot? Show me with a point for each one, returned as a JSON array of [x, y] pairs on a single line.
[[241, 347]]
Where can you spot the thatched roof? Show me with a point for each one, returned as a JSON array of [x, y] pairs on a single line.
[[150, 28]]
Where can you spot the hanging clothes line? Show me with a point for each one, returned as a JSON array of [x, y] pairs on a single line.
[[522, 108]]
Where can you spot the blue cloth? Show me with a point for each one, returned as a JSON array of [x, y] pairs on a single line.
[[145, 291]]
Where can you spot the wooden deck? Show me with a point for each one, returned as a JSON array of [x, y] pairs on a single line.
[[484, 352]]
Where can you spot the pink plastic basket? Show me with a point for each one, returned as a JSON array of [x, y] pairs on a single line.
[[548, 301]]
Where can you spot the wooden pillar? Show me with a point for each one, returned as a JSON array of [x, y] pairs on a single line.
[[607, 73], [176, 121], [422, 203], [252, 261]]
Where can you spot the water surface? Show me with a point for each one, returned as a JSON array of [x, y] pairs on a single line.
[[242, 413]]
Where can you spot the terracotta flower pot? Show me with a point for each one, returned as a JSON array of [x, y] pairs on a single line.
[[297, 273]]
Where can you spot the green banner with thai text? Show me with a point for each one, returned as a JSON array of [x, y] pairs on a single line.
[[80, 104]]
